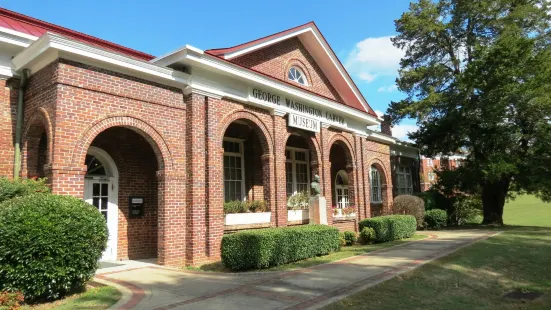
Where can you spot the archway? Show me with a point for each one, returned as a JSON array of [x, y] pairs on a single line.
[[130, 152], [378, 188], [342, 175], [37, 146], [245, 172]]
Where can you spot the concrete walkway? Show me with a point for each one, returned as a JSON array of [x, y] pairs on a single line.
[[146, 286]]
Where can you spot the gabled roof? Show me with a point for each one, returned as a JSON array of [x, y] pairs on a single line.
[[321, 51], [35, 28]]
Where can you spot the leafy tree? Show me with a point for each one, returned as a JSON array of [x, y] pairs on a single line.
[[477, 75]]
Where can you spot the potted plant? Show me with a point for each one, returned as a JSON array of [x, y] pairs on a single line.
[[349, 211], [246, 212], [337, 211]]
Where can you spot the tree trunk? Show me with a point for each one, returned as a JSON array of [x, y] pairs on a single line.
[[493, 200]]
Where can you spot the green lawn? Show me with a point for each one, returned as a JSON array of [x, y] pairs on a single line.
[[97, 298], [477, 277], [343, 253]]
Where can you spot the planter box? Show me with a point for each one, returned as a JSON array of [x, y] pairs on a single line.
[[341, 215], [297, 215], [247, 218]]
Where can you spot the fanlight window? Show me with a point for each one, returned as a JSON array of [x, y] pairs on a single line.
[[296, 75], [94, 167]]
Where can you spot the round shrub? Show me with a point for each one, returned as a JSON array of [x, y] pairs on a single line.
[[410, 205], [342, 240], [350, 237], [436, 219], [367, 235], [49, 244]]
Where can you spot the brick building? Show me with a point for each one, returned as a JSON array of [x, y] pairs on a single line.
[[429, 166], [158, 144]]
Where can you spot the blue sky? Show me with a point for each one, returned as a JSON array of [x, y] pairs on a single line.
[[358, 31]]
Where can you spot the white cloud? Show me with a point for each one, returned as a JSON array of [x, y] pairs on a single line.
[[387, 89], [401, 131], [373, 57], [379, 113], [366, 76]]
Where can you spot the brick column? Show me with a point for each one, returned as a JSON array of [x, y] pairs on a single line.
[[214, 173], [279, 207], [326, 172], [171, 218], [360, 178], [196, 154], [366, 168]]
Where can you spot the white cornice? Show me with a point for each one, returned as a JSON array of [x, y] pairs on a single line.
[[266, 43], [6, 72], [235, 70], [15, 37], [61, 44]]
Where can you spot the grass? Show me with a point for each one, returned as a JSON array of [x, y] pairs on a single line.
[[477, 277], [343, 253], [96, 298]]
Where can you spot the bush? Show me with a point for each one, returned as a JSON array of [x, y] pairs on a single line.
[[237, 206], [350, 237], [436, 219], [466, 209], [50, 244], [262, 248], [410, 205], [21, 187], [11, 301], [342, 240], [391, 227], [367, 235]]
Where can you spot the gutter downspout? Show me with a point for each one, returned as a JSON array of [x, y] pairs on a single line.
[[19, 124]]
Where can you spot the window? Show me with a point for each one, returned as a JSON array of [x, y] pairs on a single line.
[[234, 171], [341, 189], [375, 180], [431, 176], [296, 75], [297, 171], [94, 167], [429, 162], [403, 176]]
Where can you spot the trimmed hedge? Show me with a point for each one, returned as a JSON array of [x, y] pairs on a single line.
[[367, 235], [436, 218], [21, 187], [49, 245], [391, 227], [350, 237], [262, 248]]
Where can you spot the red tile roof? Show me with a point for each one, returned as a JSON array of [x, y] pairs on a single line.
[[35, 27]]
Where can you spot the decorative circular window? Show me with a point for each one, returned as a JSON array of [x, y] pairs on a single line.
[[296, 75]]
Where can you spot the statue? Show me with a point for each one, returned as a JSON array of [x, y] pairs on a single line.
[[315, 186]]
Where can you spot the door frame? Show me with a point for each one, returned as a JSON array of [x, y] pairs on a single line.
[[113, 197]]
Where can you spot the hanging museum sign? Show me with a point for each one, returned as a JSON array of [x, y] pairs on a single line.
[[302, 122]]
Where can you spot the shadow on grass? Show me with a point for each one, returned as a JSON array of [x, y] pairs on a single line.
[[475, 277]]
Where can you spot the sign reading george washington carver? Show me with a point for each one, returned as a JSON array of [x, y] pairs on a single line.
[[303, 122]]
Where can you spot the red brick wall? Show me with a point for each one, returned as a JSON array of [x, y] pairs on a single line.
[[8, 106], [346, 225], [275, 60]]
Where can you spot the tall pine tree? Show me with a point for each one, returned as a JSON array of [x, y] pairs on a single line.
[[477, 75]]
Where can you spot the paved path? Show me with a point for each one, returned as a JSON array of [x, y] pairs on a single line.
[[152, 287]]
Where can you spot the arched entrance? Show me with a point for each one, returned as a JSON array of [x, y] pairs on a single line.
[[101, 191], [342, 175], [122, 166]]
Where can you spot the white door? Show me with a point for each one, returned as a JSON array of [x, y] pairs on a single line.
[[100, 193]]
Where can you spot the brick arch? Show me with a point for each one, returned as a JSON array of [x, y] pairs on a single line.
[[313, 144], [150, 134], [347, 146], [382, 170], [297, 63], [39, 123], [258, 126]]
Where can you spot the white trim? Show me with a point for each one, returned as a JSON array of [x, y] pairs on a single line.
[[247, 218], [233, 69], [346, 202], [52, 41], [15, 37], [266, 43], [113, 197], [6, 72]]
